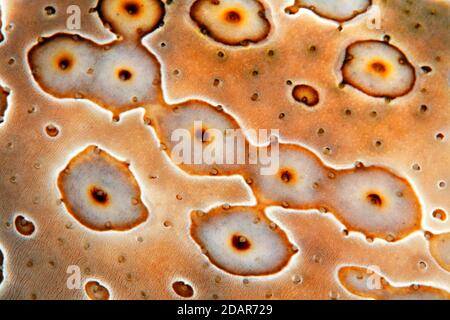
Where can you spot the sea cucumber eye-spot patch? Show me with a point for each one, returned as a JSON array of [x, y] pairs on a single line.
[[440, 249], [366, 283], [60, 65], [101, 192], [201, 126], [241, 241], [125, 76], [376, 202], [132, 18], [378, 69], [295, 182], [338, 10], [118, 76], [232, 22]]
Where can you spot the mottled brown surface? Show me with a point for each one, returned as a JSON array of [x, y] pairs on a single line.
[[144, 262]]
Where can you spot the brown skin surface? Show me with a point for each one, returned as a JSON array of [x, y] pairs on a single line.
[[163, 245]]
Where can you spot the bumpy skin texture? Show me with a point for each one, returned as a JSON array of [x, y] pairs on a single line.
[[250, 82]]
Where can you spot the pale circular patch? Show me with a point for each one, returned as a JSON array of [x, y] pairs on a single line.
[[375, 202], [125, 77], [201, 138], [60, 65], [298, 181], [132, 18], [241, 241], [338, 10], [233, 22], [101, 192], [378, 69]]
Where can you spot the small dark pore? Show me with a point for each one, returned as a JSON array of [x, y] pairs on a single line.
[[286, 176], [240, 243], [132, 8], [375, 199], [125, 75], [233, 16], [99, 195]]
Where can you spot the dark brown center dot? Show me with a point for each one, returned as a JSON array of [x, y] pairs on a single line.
[[64, 64], [233, 16], [99, 195], [125, 75], [203, 135], [378, 67], [183, 289], [240, 242], [375, 199], [286, 176], [131, 8]]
